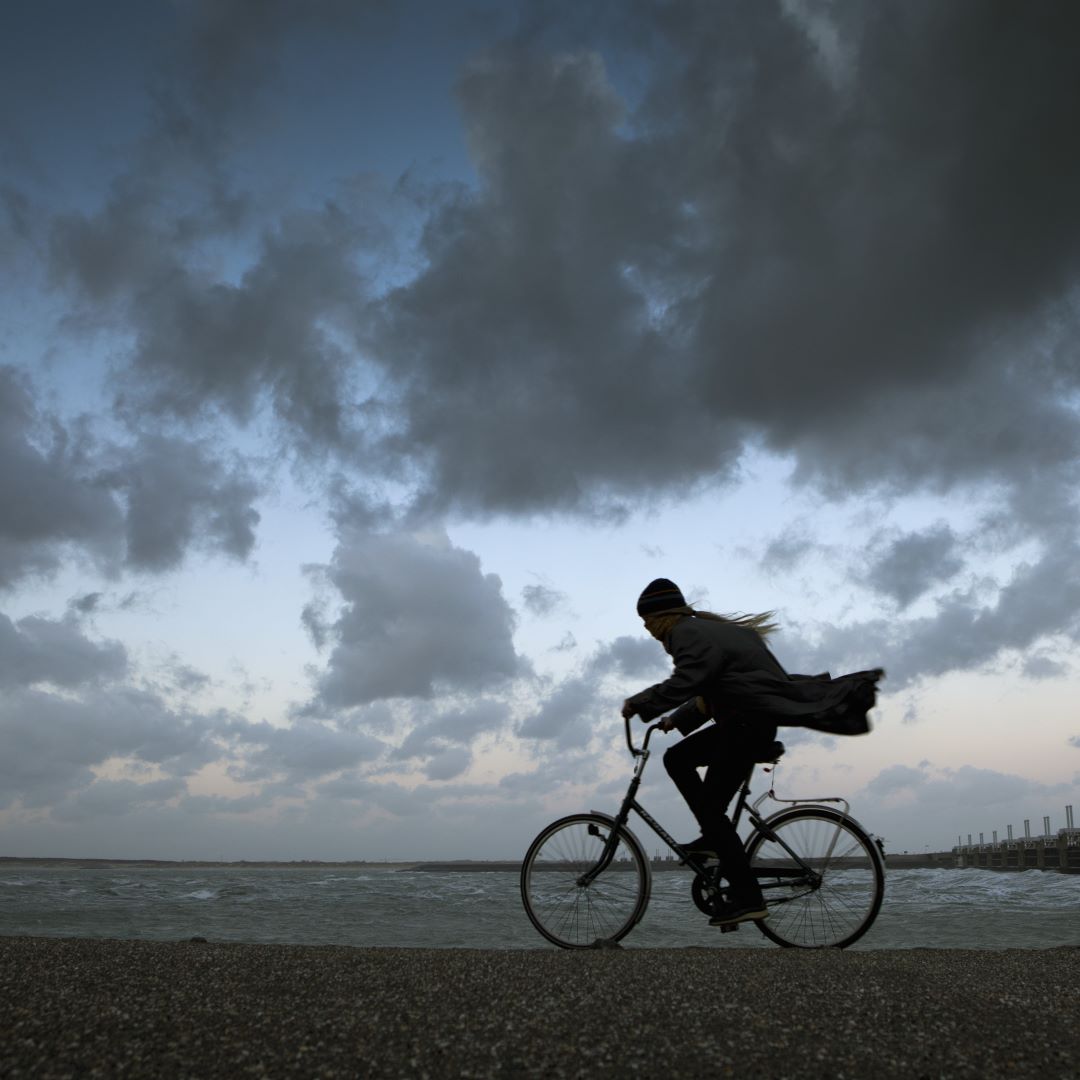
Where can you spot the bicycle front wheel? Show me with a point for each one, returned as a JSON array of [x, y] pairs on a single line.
[[822, 876], [572, 908]]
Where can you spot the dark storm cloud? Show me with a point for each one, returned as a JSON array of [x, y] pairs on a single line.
[[305, 750], [419, 616], [530, 299], [859, 256], [784, 552], [968, 628], [965, 786], [140, 263], [459, 727], [17, 223], [542, 600], [36, 650], [143, 504], [87, 603], [226, 804], [940, 804], [185, 678], [179, 495], [862, 271], [229, 49], [49, 488], [847, 236], [563, 715], [448, 763], [634, 657], [387, 795], [52, 743], [203, 345], [113, 798], [570, 711], [906, 566], [1043, 667]]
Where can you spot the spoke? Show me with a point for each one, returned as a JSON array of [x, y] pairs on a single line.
[[846, 894], [580, 914]]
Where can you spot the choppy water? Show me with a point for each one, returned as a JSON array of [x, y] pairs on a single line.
[[923, 908]]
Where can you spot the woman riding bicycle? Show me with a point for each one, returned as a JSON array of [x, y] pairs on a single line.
[[724, 671]]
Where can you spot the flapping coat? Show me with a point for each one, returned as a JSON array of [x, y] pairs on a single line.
[[732, 669]]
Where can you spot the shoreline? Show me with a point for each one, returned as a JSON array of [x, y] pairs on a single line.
[[73, 1006]]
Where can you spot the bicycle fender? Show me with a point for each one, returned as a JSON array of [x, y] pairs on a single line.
[[811, 806]]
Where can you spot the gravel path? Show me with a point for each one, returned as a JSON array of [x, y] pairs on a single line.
[[88, 1008]]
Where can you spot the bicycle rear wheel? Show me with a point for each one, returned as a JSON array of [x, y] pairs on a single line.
[[830, 895], [573, 914]]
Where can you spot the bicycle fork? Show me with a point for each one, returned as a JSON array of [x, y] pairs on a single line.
[[618, 823]]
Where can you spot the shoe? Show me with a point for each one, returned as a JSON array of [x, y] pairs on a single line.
[[701, 847], [739, 910]]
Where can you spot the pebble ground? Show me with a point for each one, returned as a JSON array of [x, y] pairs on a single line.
[[94, 1008]]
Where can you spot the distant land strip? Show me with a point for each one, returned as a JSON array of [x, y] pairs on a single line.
[[16, 861], [905, 861]]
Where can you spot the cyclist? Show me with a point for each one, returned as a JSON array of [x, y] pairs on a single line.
[[724, 671]]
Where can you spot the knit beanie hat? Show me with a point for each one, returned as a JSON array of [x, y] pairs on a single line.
[[658, 596]]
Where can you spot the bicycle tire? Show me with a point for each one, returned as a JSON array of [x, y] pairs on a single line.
[[575, 916], [838, 909]]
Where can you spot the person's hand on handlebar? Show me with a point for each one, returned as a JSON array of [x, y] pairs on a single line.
[[666, 723]]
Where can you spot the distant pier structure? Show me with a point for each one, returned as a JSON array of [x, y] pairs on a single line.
[[1048, 851]]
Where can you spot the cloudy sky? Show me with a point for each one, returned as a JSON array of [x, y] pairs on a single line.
[[361, 361]]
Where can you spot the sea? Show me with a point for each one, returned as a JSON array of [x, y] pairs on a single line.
[[411, 908]]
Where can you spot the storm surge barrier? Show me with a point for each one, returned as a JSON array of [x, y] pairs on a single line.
[[1049, 851]]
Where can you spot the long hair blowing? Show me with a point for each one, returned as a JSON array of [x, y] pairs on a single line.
[[763, 623]]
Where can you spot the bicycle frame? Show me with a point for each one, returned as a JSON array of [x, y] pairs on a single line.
[[630, 803]]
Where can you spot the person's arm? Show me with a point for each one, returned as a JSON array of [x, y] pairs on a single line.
[[689, 716], [696, 663]]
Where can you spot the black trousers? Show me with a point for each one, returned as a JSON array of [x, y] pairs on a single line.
[[728, 752]]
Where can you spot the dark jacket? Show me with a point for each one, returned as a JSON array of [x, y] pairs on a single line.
[[732, 669]]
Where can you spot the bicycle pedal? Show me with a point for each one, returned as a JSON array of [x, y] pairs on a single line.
[[728, 927]]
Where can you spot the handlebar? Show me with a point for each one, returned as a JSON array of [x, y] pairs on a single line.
[[638, 751]]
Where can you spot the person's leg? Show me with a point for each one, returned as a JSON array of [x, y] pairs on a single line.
[[727, 764], [722, 780], [742, 746], [704, 747]]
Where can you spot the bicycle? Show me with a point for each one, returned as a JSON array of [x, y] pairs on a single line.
[[585, 880]]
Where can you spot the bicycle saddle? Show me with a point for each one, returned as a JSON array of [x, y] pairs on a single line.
[[773, 752]]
